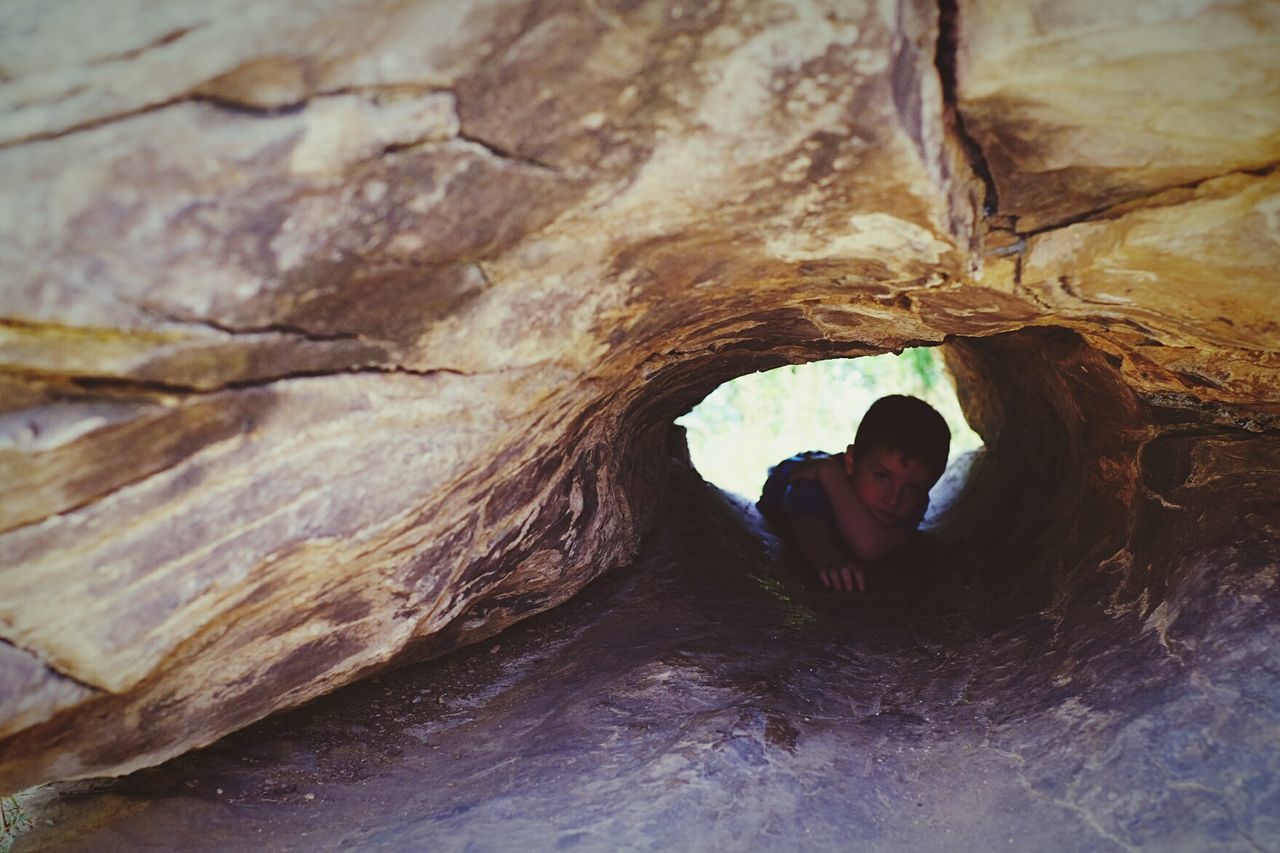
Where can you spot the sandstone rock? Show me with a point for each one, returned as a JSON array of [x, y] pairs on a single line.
[[339, 336], [1078, 107], [1194, 274]]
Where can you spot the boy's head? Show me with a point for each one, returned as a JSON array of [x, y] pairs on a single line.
[[899, 452], [906, 425]]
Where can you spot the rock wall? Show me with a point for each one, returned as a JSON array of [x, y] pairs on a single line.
[[341, 334]]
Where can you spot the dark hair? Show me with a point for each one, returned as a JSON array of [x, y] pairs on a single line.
[[908, 425]]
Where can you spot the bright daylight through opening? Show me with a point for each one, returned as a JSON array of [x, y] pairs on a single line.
[[754, 421]]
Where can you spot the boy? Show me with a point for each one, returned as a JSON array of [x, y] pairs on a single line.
[[844, 512]]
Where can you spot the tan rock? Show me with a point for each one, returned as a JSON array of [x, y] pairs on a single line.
[[1079, 106], [1193, 278], [84, 63], [353, 338]]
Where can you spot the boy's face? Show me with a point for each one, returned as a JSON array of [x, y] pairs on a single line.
[[893, 487]]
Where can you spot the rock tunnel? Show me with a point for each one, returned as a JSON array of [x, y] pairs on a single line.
[[335, 343]]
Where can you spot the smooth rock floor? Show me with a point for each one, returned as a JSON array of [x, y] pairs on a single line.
[[704, 700]]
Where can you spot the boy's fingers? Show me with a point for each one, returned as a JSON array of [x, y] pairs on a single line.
[[843, 579]]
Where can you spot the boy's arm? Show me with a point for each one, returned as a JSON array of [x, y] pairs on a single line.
[[835, 569], [861, 531]]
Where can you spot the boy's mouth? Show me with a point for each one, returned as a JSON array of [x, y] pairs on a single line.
[[885, 518]]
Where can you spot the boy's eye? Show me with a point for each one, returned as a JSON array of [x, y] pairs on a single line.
[[882, 476]]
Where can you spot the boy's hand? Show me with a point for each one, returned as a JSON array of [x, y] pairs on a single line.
[[842, 576]]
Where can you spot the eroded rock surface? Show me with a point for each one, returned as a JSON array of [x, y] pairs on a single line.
[[343, 335]]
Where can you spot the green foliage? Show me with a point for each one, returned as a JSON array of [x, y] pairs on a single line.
[[13, 822], [923, 364], [751, 423]]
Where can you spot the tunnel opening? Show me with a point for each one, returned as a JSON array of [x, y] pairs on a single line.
[[749, 423], [1019, 523]]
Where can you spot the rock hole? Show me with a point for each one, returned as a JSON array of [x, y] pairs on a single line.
[[749, 423], [1020, 525]]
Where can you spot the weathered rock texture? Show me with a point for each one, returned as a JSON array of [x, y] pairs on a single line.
[[344, 334]]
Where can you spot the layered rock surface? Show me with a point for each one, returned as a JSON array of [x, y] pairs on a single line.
[[343, 335]]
